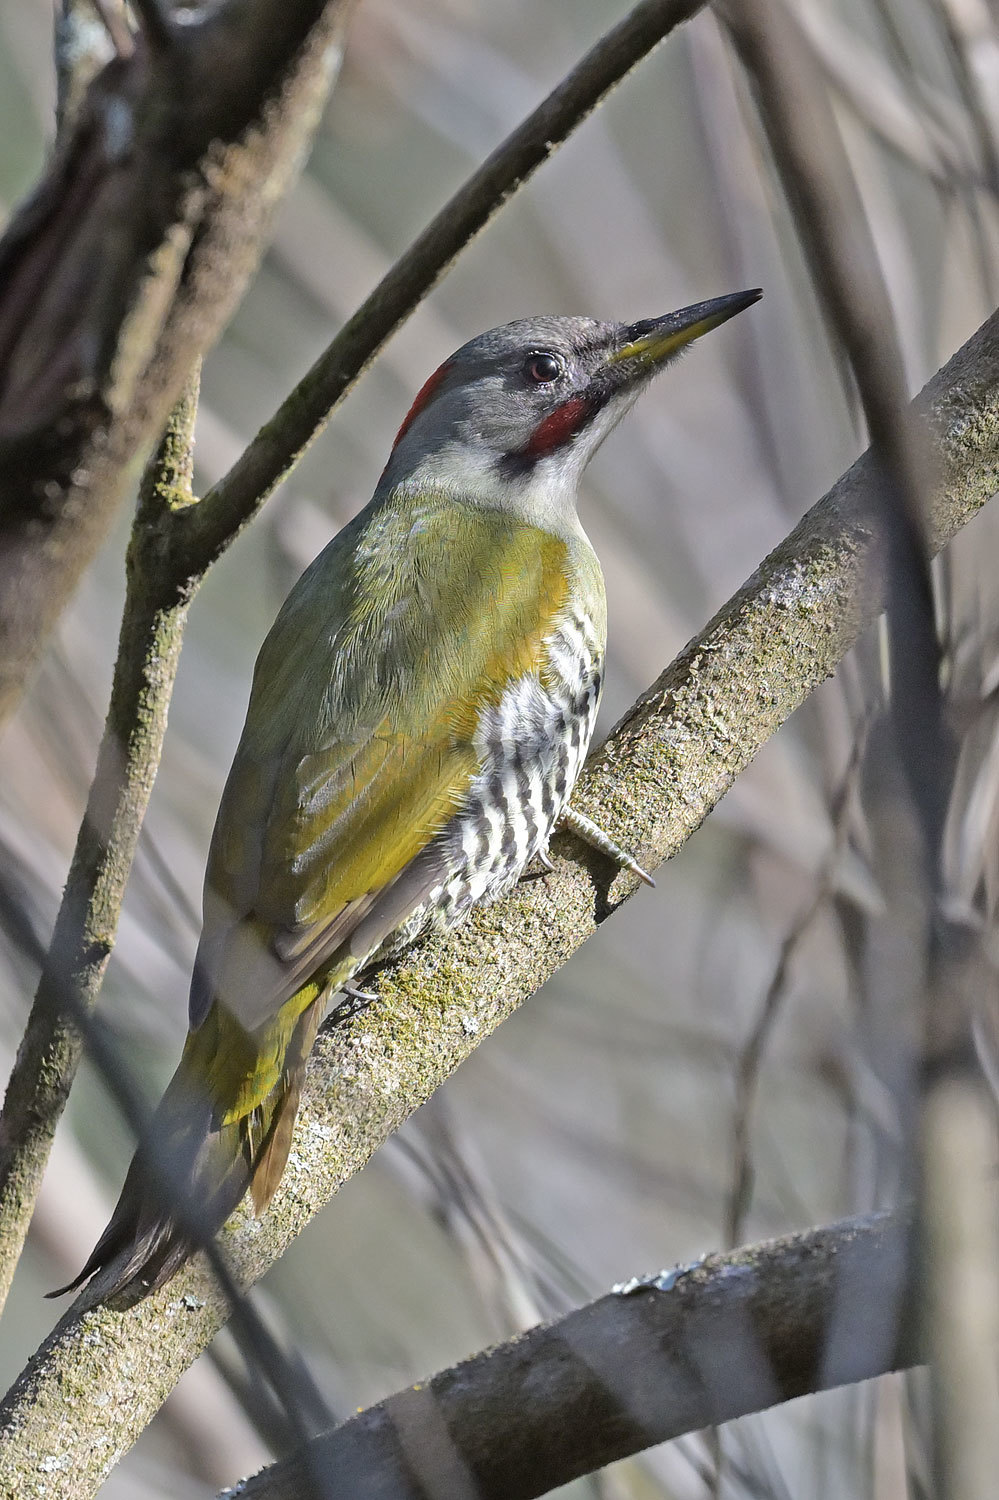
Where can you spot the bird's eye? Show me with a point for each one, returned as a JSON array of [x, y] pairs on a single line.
[[542, 368]]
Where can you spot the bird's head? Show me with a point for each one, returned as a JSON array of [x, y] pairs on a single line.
[[515, 415]]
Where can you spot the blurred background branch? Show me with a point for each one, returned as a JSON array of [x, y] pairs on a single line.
[[955, 1143]]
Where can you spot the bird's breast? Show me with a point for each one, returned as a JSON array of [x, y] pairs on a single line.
[[531, 745]]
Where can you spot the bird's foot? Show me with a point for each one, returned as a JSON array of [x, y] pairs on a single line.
[[354, 1002], [540, 857], [585, 829]]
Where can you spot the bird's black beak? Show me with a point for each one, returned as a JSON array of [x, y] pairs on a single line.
[[646, 346]]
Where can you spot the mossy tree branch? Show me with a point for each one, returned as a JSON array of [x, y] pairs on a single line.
[[662, 1356], [152, 627], [653, 782]]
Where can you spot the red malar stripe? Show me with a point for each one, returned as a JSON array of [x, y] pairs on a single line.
[[561, 425], [423, 395]]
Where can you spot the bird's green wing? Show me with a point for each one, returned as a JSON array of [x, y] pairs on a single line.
[[358, 746]]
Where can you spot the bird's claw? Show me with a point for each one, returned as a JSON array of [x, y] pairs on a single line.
[[585, 829]]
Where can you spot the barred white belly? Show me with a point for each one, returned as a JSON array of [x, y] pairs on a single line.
[[532, 745]]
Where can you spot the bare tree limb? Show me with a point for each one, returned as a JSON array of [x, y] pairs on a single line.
[[659, 1357], [148, 652], [658, 775], [122, 267]]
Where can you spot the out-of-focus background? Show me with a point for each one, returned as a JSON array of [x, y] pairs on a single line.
[[605, 1131]]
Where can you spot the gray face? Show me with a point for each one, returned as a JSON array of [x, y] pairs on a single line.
[[516, 413], [513, 417], [501, 385]]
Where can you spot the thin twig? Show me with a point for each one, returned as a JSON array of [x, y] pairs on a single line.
[[970, 32], [747, 1070], [747, 1074], [893, 108]]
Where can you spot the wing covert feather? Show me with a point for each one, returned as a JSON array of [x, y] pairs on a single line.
[[358, 744]]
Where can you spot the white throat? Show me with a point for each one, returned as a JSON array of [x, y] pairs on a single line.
[[542, 495]]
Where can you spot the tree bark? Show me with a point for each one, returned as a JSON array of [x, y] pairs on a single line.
[[122, 268], [661, 1356]]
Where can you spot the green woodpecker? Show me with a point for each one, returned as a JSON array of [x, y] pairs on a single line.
[[420, 711]]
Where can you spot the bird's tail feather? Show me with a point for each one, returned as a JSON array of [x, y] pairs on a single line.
[[192, 1170], [270, 1160]]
